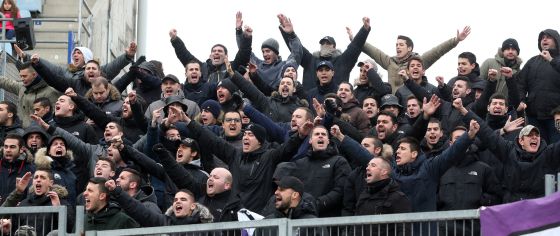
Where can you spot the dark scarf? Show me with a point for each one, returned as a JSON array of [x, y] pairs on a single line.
[[377, 185]]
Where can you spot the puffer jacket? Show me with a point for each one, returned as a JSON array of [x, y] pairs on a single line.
[[9, 171], [65, 172]]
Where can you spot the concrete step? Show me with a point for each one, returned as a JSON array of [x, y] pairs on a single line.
[[56, 26], [57, 56]]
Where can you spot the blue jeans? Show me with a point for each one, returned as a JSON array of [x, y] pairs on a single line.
[[10, 34], [547, 129]]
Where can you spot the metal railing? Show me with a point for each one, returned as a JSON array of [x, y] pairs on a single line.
[[36, 218], [464, 222], [551, 184]]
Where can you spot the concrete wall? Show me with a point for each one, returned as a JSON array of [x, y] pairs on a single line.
[[114, 27]]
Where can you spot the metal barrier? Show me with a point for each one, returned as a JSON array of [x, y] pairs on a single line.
[[39, 219], [258, 227], [464, 222], [551, 184]]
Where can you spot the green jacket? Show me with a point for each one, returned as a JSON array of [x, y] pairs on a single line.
[[26, 96], [110, 217], [496, 63], [393, 66]]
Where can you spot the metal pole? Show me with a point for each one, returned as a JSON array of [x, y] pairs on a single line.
[[79, 38], [141, 27], [70, 45], [549, 184]]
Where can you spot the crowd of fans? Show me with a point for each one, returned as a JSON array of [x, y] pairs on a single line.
[[243, 135]]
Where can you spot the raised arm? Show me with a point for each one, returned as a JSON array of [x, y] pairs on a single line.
[[93, 112], [10, 85], [438, 165], [274, 131], [353, 151], [178, 174], [432, 55], [113, 68], [181, 51], [350, 56], [53, 75], [134, 208]]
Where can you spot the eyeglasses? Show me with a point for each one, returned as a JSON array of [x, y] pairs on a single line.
[[232, 120]]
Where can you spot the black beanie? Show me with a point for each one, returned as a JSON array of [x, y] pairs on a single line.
[[258, 131], [510, 43], [229, 85]]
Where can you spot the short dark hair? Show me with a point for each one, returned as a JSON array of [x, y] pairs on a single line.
[[94, 62], [351, 87], [135, 176], [435, 120], [390, 114], [26, 65], [413, 142], [119, 127], [308, 113], [188, 192], [414, 97], [376, 141], [414, 58], [193, 61], [111, 162], [11, 107], [44, 102], [100, 181], [463, 78], [469, 56], [555, 111], [48, 170], [459, 127], [16, 137], [409, 42], [499, 96]]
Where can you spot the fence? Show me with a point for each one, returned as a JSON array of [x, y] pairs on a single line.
[[42, 220], [463, 222]]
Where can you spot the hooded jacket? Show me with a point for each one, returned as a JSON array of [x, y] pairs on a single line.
[[251, 171], [9, 171], [76, 126], [523, 171], [375, 87], [272, 73], [192, 111], [358, 117], [64, 171], [37, 221], [538, 81], [323, 174], [112, 105], [27, 95], [15, 128]]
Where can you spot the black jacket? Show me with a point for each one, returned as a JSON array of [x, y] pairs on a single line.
[[200, 92], [375, 88], [538, 81], [278, 108], [304, 210], [77, 126], [523, 172], [469, 184], [252, 171], [212, 73], [343, 63], [323, 174], [108, 218]]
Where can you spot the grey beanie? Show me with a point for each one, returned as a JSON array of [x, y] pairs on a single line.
[[272, 44]]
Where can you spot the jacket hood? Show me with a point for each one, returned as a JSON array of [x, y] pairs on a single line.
[[146, 193], [554, 34], [36, 129], [200, 214], [58, 189], [524, 156], [114, 94], [43, 160]]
